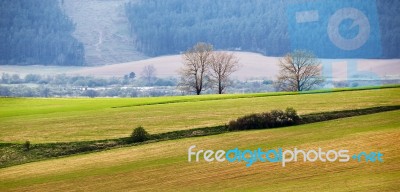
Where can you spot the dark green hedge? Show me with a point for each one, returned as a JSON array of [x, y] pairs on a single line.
[[275, 118], [279, 118]]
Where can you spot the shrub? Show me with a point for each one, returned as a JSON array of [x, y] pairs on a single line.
[[27, 145], [292, 115], [139, 135], [275, 118]]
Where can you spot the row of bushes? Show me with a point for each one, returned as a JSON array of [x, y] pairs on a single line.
[[272, 119], [279, 118], [139, 134], [15, 154], [275, 118], [326, 116]]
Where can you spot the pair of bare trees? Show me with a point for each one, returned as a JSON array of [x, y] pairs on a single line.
[[203, 68]]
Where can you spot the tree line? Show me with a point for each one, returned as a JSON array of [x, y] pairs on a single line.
[[145, 84], [87, 81], [37, 32]]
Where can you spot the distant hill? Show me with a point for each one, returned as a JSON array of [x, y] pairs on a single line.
[[270, 27], [100, 32], [253, 66]]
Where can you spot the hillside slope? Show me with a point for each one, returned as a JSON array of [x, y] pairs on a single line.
[[370, 29], [101, 25], [253, 66], [58, 120], [164, 166]]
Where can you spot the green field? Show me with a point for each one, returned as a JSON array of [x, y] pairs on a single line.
[[163, 166], [56, 120]]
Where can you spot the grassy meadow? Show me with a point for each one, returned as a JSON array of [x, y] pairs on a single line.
[[78, 119], [164, 166]]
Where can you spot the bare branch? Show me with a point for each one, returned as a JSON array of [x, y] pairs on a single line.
[[196, 63], [222, 66], [299, 71], [149, 74]]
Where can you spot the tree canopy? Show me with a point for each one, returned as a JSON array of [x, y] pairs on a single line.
[[37, 32]]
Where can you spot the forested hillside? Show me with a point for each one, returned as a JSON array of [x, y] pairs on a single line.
[[43, 31], [169, 27], [165, 27], [103, 28], [389, 20], [37, 32]]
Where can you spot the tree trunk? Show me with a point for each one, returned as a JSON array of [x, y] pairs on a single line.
[[219, 87]]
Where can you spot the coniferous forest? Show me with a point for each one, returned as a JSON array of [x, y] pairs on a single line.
[[169, 27], [40, 32], [37, 32]]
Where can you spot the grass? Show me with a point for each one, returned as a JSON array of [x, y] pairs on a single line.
[[24, 106], [78, 119], [15, 154], [164, 166]]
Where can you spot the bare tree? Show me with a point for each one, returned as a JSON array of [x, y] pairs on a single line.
[[222, 66], [299, 71], [149, 74], [196, 62]]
